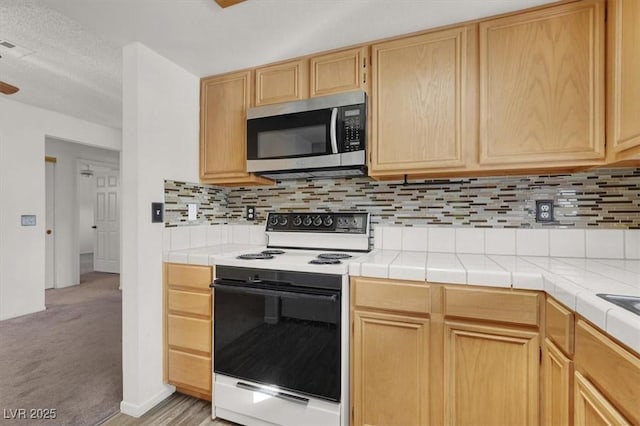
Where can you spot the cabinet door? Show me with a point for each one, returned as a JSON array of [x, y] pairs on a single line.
[[611, 368], [491, 375], [339, 72], [419, 101], [623, 112], [542, 87], [558, 387], [390, 369], [223, 129], [592, 408], [282, 82]]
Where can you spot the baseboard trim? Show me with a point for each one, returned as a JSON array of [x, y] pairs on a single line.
[[137, 410], [20, 314]]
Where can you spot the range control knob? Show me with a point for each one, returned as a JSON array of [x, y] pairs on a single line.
[[317, 221], [306, 221], [273, 220], [327, 221], [297, 221], [283, 221]]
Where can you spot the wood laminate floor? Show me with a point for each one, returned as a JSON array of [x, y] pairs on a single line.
[[178, 409]]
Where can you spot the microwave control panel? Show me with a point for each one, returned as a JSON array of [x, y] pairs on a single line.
[[353, 121]]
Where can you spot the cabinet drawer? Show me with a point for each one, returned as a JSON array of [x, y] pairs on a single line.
[[611, 368], [508, 306], [191, 276], [559, 326], [189, 303], [190, 370], [189, 333], [390, 295]]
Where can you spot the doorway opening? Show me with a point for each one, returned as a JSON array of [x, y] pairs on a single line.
[[82, 215]]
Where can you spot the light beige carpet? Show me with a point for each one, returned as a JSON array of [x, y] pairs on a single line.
[[68, 357]]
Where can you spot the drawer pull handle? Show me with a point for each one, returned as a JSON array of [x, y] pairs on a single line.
[[276, 394]]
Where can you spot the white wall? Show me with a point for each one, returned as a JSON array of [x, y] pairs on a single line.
[[160, 141], [22, 134], [67, 218]]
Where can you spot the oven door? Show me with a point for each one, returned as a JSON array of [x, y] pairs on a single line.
[[298, 140], [289, 339]]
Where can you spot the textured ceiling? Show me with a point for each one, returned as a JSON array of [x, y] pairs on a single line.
[[76, 65]]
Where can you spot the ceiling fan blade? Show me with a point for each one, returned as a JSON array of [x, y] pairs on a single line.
[[227, 3], [7, 89]]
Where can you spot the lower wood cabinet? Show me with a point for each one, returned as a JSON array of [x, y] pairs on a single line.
[[592, 408], [490, 374], [607, 379], [390, 348], [425, 354], [190, 370], [187, 327], [391, 369], [558, 386]]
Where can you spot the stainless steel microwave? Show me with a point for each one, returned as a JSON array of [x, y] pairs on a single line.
[[317, 137]]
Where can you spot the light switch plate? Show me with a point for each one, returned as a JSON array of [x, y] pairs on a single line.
[[28, 220], [193, 211], [157, 212]]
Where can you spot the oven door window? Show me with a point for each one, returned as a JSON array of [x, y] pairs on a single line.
[[286, 339], [289, 136]]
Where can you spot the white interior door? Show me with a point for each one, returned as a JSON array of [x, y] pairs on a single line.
[[49, 238], [106, 252]]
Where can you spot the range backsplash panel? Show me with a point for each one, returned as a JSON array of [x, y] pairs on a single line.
[[606, 199]]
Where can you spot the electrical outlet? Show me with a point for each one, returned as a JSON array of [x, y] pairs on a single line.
[[251, 213], [544, 211]]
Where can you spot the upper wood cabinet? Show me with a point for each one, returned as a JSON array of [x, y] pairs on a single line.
[[339, 72], [223, 129], [282, 82], [542, 87], [421, 102], [623, 84]]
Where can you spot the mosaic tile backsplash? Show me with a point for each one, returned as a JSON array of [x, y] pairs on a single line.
[[211, 201], [607, 198]]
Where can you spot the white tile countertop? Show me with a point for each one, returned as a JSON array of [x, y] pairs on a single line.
[[573, 281], [207, 255], [570, 265]]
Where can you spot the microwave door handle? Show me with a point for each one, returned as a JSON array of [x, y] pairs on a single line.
[[333, 130]]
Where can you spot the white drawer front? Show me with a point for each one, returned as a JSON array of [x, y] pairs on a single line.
[[257, 405]]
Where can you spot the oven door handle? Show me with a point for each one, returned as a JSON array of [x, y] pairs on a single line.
[[219, 285], [287, 397]]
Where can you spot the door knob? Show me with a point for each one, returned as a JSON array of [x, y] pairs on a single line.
[[94, 227], [48, 231]]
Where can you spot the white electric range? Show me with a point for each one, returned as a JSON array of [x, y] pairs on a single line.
[[281, 322]]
